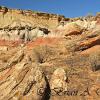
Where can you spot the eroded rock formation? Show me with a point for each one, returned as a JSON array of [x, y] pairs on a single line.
[[48, 57]]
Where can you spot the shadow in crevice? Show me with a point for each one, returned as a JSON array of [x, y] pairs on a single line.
[[47, 92]]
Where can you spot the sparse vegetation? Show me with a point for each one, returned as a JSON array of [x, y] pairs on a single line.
[[42, 53], [97, 15], [35, 11], [89, 16], [71, 45], [94, 60]]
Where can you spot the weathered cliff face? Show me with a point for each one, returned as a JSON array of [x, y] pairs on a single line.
[[8, 16], [26, 25], [19, 31]]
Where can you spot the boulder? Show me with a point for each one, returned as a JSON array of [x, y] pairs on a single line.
[[72, 29], [58, 83], [68, 30]]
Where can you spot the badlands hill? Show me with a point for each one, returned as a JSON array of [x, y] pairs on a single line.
[[48, 57]]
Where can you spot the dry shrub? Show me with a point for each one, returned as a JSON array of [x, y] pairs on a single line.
[[94, 60], [71, 45], [42, 53], [97, 17], [89, 17]]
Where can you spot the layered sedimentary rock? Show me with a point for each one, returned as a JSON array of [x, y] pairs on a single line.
[[8, 16]]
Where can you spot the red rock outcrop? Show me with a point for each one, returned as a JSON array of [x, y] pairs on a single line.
[[89, 43], [91, 50]]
